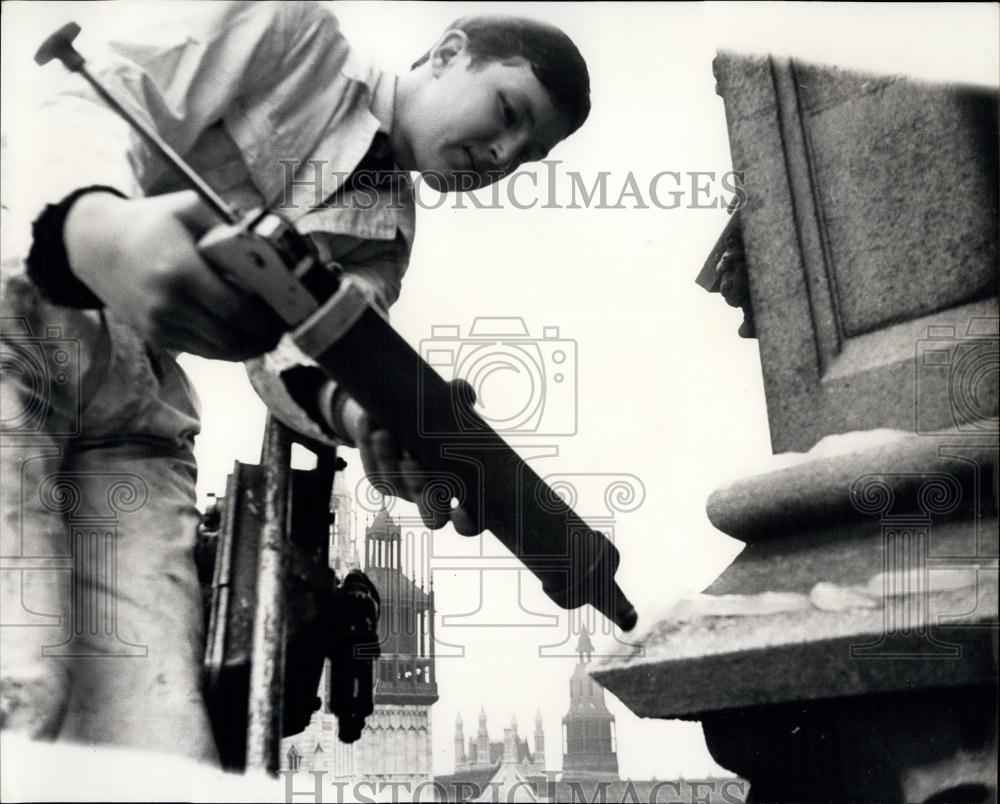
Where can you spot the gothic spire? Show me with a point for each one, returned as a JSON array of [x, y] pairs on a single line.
[[584, 647]]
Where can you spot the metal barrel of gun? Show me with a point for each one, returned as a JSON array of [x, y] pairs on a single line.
[[575, 564]]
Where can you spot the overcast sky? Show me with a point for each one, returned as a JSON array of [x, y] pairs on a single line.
[[666, 396]]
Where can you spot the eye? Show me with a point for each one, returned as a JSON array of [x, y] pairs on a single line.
[[507, 112]]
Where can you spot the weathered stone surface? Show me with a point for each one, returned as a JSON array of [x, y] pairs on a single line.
[[776, 642], [894, 546], [837, 488], [902, 747], [871, 235], [906, 186]]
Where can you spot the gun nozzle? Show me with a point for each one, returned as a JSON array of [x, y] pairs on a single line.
[[617, 608]]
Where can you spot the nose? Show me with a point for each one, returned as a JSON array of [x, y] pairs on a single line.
[[506, 150]]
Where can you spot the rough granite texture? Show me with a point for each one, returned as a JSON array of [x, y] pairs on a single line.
[[848, 488], [906, 192], [771, 629], [872, 216]]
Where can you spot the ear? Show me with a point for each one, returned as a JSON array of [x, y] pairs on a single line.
[[451, 44]]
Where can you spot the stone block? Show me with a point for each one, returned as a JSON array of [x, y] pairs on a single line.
[[850, 651], [871, 231], [869, 572]]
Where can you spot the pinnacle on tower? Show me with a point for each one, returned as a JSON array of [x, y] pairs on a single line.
[[584, 647], [483, 736], [510, 743], [539, 752], [460, 755], [589, 745]]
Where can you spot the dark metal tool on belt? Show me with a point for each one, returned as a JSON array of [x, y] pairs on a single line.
[[313, 615], [332, 319]]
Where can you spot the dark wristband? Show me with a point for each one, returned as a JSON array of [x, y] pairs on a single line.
[[48, 264]]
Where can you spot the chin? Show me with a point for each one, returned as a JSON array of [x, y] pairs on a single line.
[[438, 180]]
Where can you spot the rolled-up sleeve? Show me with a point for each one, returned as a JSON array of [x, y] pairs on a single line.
[[380, 264]]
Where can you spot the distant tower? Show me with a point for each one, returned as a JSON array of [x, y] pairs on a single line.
[[343, 549], [460, 759], [482, 738], [589, 748], [396, 742], [510, 741], [539, 753], [482, 755]]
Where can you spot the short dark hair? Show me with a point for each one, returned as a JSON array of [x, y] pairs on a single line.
[[554, 59]]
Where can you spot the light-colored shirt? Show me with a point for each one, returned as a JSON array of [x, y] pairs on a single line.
[[271, 106]]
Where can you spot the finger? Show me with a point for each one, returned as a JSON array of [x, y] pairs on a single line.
[[387, 457], [197, 332], [185, 334], [369, 460], [267, 326], [411, 478], [464, 523], [464, 391], [204, 285], [253, 330], [432, 513], [250, 319], [194, 213]]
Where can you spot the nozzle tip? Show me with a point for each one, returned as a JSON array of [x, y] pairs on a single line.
[[617, 608], [627, 619]]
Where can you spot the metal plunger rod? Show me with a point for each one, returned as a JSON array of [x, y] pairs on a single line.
[[267, 661], [60, 46]]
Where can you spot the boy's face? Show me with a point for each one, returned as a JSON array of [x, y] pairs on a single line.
[[471, 124]]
